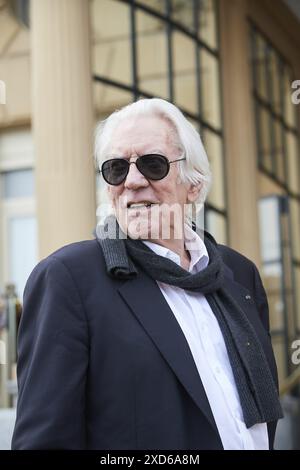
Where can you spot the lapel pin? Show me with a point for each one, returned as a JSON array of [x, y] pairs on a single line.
[[248, 297]]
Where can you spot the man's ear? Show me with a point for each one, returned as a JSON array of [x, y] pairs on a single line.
[[193, 192]]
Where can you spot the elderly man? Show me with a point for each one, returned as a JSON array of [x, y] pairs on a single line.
[[150, 336]]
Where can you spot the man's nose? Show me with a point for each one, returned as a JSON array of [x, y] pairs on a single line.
[[135, 179]]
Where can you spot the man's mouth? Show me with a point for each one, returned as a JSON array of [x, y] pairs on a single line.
[[141, 205]]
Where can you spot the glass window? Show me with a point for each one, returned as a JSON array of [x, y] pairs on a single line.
[[278, 150], [278, 156], [213, 145], [276, 126], [286, 253], [152, 64], [22, 250], [274, 114], [184, 67], [274, 75], [295, 224], [293, 162], [291, 318], [108, 98], [18, 183], [289, 107], [265, 138], [118, 25], [279, 348], [111, 40], [260, 66], [269, 224], [196, 125], [158, 5], [16, 145], [272, 279], [183, 13], [297, 283], [210, 88], [207, 21], [216, 225]]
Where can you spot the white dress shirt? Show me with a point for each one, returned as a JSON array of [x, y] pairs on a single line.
[[204, 337]]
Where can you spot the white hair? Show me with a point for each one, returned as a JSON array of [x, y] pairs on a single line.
[[195, 169]]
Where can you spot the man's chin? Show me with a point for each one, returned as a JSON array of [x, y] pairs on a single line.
[[139, 233], [146, 228]]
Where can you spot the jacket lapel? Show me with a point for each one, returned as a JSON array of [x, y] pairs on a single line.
[[161, 325]]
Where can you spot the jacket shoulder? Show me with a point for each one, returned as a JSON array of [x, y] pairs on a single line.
[[78, 257], [233, 258], [243, 269], [76, 251]]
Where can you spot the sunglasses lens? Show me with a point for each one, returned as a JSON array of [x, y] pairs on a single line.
[[154, 167], [114, 171]]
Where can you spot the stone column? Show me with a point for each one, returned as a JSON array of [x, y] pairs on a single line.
[[63, 122], [239, 128]]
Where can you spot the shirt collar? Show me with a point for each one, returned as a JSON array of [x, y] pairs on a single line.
[[193, 243]]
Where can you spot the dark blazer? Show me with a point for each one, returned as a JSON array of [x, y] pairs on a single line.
[[103, 363]]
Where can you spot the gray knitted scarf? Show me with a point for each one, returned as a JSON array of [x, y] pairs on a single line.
[[257, 390]]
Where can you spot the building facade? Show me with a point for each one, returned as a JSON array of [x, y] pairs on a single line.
[[230, 65]]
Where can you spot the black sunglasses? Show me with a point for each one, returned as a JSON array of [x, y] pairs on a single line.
[[153, 167]]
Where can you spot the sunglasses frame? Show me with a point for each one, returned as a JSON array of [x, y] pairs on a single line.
[[168, 162]]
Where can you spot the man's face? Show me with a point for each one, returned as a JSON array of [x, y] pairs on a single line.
[[145, 208]]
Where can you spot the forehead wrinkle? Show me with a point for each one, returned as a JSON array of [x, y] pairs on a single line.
[[137, 150]]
